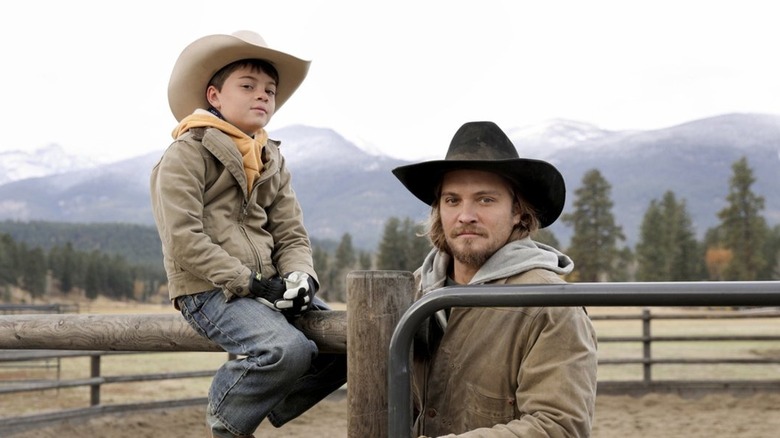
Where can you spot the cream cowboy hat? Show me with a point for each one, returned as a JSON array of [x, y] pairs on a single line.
[[199, 61], [484, 146]]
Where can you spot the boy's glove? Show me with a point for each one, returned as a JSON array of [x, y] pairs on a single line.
[[300, 292], [269, 291]]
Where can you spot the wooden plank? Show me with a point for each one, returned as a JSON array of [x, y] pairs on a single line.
[[687, 388], [144, 332], [27, 355], [19, 423]]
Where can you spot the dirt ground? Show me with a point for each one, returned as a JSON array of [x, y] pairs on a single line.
[[652, 415]]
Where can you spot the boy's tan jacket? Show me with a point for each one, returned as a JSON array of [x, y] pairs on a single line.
[[213, 234]]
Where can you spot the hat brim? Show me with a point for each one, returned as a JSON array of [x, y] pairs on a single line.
[[199, 61], [539, 182]]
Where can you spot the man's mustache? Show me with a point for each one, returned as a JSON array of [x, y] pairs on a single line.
[[467, 230]]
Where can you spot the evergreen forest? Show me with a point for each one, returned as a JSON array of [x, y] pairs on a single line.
[[124, 261]]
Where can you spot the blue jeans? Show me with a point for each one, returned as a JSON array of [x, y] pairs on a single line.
[[278, 373]]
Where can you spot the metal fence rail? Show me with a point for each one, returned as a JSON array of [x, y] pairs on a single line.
[[669, 294]]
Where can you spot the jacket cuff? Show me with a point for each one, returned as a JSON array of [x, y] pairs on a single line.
[[240, 285]]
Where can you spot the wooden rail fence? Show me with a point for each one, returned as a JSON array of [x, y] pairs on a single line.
[[36, 361], [378, 299], [647, 339]]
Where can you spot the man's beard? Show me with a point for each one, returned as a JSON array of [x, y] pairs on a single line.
[[468, 255]]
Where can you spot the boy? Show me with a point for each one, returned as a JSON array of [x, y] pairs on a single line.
[[236, 253]]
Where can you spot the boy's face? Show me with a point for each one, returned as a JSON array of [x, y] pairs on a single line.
[[247, 99]]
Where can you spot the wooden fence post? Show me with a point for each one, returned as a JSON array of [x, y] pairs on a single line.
[[94, 372], [376, 300], [647, 352]]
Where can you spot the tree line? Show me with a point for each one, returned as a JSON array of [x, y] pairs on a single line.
[[66, 270], [741, 247]]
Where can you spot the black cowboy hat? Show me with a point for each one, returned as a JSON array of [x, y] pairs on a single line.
[[484, 146]]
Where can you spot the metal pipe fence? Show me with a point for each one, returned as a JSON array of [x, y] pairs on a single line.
[[578, 294]]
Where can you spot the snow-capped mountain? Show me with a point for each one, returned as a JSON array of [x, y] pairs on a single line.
[[47, 160], [553, 137], [344, 189], [304, 145]]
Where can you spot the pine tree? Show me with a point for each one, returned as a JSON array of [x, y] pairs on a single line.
[[33, 270], [119, 279], [623, 266], [324, 272], [403, 247], [364, 260], [345, 253], [344, 261], [8, 265], [744, 229], [594, 242], [417, 245], [650, 253], [667, 249], [684, 250], [391, 247], [772, 272], [95, 277], [62, 262]]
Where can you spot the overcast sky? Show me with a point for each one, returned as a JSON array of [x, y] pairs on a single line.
[[399, 75]]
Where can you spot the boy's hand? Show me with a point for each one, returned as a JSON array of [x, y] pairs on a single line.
[[300, 292], [269, 291]]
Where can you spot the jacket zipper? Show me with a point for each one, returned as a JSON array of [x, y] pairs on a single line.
[[242, 227]]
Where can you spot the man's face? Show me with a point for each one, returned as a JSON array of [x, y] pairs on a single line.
[[477, 215], [247, 99]]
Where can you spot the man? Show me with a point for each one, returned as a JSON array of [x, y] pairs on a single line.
[[497, 372]]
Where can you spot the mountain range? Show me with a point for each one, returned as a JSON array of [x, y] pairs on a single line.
[[344, 189]]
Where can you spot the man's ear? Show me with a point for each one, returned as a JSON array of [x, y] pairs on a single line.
[[516, 215]]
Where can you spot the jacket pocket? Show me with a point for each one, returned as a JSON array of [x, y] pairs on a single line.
[[486, 409]]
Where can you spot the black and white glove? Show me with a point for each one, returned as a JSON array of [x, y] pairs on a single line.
[[301, 288], [269, 291]]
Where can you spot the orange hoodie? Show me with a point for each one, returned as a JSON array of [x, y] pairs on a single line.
[[250, 148]]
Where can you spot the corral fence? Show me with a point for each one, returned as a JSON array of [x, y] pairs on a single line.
[[647, 340], [376, 335], [27, 360]]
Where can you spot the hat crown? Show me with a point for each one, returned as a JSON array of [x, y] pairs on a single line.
[[250, 37], [481, 141]]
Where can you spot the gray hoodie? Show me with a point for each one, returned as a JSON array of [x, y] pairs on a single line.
[[513, 258]]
